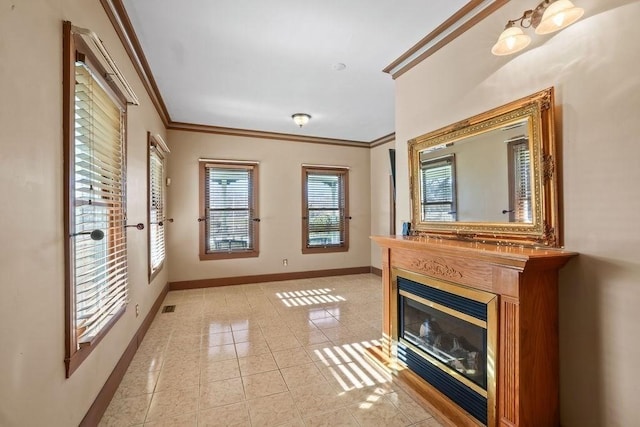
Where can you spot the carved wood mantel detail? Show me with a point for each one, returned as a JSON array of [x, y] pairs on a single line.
[[436, 268], [525, 282]]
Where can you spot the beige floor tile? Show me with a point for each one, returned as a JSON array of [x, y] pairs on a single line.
[[148, 362], [317, 398], [248, 335], [153, 346], [339, 418], [272, 410], [178, 377], [302, 375], [171, 403], [317, 352], [263, 384], [126, 411], [212, 325], [242, 324], [222, 370], [184, 420], [310, 337], [217, 339], [191, 341], [245, 349], [180, 359], [327, 323], [296, 422], [221, 393], [318, 313], [380, 413], [225, 416], [136, 383], [283, 342], [256, 364], [291, 357], [412, 409], [275, 329], [345, 377], [431, 422], [194, 358], [217, 353]]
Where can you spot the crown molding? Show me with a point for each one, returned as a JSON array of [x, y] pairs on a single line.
[[383, 140], [191, 127], [464, 19], [122, 24]]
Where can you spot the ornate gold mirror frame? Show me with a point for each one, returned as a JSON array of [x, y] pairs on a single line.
[[535, 113]]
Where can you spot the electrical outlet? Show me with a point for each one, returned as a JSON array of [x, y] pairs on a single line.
[[137, 310], [285, 262]]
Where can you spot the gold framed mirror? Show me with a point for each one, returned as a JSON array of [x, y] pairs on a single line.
[[491, 177]]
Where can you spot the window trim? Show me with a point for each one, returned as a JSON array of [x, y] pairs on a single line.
[[337, 170], [236, 253], [74, 46], [156, 143]]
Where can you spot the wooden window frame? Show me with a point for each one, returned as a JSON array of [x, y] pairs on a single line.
[[252, 252], [75, 48], [157, 146], [327, 170]]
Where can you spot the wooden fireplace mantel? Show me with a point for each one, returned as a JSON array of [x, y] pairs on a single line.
[[526, 283]]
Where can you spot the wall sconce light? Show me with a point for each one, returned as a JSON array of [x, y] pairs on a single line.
[[549, 16], [301, 119]]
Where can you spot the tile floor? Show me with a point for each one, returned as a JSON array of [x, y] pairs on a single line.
[[270, 354]]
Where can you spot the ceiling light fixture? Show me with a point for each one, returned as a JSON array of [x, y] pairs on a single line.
[[549, 16], [301, 119]]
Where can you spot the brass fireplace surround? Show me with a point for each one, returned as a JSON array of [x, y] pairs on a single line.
[[491, 326]]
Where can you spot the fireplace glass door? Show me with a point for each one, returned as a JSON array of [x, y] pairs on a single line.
[[447, 335], [457, 343]]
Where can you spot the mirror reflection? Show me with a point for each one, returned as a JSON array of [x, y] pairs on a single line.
[[491, 177], [485, 177]]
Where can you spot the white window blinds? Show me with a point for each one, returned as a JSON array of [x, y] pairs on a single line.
[[325, 208], [99, 267], [230, 208], [157, 220], [521, 209], [438, 189]]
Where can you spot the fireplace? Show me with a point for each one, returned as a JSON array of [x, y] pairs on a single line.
[[488, 353], [447, 335]]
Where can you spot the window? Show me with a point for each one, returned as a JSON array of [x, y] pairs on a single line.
[[520, 209], [325, 213], [95, 211], [229, 210], [157, 221], [438, 189]]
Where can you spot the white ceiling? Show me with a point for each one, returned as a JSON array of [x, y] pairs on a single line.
[[251, 64]]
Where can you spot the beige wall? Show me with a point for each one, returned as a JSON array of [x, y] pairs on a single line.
[[280, 204], [594, 67], [33, 389], [380, 197]]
